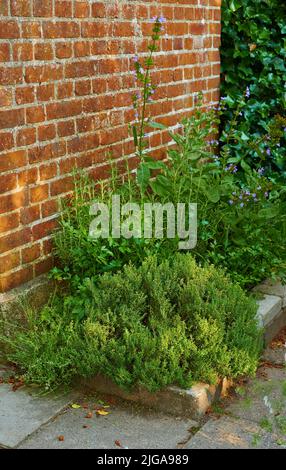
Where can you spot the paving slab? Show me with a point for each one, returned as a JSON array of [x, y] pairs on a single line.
[[276, 356], [130, 429], [22, 412], [251, 403], [231, 433], [273, 288]]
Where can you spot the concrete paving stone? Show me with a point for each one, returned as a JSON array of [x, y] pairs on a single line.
[[133, 430], [251, 405], [273, 288], [268, 308], [23, 411], [276, 356], [231, 433]]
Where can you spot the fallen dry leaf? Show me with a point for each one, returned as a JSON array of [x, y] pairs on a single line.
[[17, 385], [118, 444], [102, 412], [75, 406], [89, 415], [85, 406], [252, 47], [61, 438]]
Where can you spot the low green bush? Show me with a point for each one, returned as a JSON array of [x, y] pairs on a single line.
[[253, 58], [162, 323]]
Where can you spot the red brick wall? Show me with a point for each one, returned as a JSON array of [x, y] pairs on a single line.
[[65, 101]]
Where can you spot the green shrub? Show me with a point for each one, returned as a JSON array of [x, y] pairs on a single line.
[[162, 323], [253, 56], [241, 212]]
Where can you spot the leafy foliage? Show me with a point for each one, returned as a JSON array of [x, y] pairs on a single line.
[[241, 212], [162, 323], [254, 62]]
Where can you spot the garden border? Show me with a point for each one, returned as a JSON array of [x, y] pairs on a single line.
[[192, 402]]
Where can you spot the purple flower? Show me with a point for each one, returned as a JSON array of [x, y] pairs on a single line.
[[154, 19], [233, 168], [254, 195], [223, 98], [266, 194], [161, 19], [260, 171], [284, 129], [242, 204], [268, 151], [230, 202], [135, 59], [247, 92]]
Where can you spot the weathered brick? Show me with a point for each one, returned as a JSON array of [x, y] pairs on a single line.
[[46, 92], [20, 8], [48, 171], [15, 239], [43, 8], [9, 30], [10, 261], [16, 278], [4, 52], [31, 253], [63, 8], [13, 201], [26, 137], [11, 75], [53, 30], [8, 182], [25, 95], [6, 97], [44, 51], [23, 51], [47, 132], [6, 141], [63, 50], [39, 193], [9, 222], [44, 229], [35, 114], [31, 29], [29, 214], [12, 160]]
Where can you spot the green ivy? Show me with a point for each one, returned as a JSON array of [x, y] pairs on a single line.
[[254, 55]]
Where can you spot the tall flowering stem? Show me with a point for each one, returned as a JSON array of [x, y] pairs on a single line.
[[142, 76]]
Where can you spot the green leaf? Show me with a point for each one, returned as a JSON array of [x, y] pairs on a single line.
[[157, 125], [135, 137], [143, 176]]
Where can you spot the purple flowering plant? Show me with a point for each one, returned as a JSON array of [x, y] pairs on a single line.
[[146, 89]]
